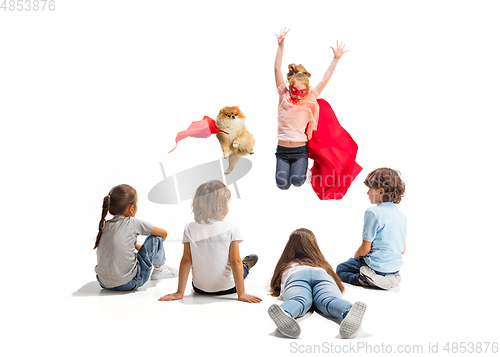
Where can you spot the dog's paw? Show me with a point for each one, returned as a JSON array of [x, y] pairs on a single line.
[[236, 144], [226, 155], [251, 153]]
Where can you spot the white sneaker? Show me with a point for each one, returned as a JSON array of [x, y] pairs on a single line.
[[352, 322], [164, 272], [384, 282], [284, 322]]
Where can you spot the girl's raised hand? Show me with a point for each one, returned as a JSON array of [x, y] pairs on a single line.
[[249, 298], [339, 51], [282, 35], [171, 297]]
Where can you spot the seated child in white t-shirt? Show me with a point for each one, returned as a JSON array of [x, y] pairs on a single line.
[[211, 248]]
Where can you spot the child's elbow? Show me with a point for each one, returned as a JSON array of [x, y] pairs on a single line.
[[235, 261]]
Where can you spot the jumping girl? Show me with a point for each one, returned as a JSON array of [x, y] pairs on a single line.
[[298, 109]]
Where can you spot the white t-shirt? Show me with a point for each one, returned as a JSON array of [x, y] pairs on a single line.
[[209, 245], [295, 267]]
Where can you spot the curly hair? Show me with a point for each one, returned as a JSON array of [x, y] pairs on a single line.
[[298, 73], [388, 179], [211, 202]]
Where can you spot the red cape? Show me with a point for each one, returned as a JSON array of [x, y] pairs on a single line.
[[198, 129], [334, 153]]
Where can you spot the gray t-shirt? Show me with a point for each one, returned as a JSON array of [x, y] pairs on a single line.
[[116, 257]]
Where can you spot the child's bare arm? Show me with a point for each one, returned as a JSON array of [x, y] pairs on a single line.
[[155, 232], [363, 249], [237, 269], [337, 52], [184, 269], [279, 55], [159, 232]]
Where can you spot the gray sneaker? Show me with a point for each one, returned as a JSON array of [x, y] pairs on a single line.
[[365, 282], [368, 276], [250, 260], [352, 322], [284, 322]]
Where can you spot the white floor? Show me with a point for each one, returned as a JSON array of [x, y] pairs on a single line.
[[437, 302], [93, 93]]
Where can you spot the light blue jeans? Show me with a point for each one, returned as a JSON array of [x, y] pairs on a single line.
[[306, 288]]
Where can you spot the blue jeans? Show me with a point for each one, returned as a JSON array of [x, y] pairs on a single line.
[[348, 271], [291, 166], [150, 255], [306, 288], [222, 292]]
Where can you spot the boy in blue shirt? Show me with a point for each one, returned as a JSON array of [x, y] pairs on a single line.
[[379, 258]]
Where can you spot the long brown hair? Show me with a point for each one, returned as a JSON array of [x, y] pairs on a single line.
[[211, 202], [388, 179], [302, 248], [119, 199]]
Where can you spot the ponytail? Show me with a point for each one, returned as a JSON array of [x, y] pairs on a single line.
[[120, 198], [102, 222]]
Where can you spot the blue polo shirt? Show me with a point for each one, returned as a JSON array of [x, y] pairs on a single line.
[[385, 227]]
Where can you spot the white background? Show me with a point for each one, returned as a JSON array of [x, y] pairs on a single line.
[[93, 93]]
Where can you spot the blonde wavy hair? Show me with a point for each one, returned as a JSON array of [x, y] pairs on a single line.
[[211, 202]]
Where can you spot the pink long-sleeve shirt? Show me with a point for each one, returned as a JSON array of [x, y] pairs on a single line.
[[293, 118]]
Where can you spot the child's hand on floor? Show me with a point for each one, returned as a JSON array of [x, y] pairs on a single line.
[[171, 297], [249, 298]]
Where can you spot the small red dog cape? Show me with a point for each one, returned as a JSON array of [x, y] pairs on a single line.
[[334, 153], [198, 129]]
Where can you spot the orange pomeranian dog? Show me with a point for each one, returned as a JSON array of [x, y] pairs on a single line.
[[238, 141]]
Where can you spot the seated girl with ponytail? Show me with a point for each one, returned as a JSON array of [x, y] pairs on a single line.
[[298, 114], [118, 266]]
